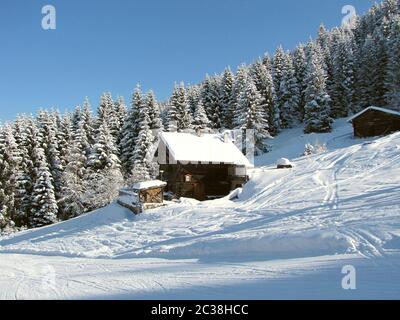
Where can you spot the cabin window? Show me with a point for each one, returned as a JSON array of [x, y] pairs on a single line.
[[188, 178]]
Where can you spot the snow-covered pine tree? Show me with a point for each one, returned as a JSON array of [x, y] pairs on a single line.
[[210, 97], [381, 61], [290, 95], [64, 137], [365, 75], [104, 177], [200, 120], [72, 202], [277, 74], [76, 117], [178, 113], [47, 125], [324, 41], [130, 131], [299, 63], [142, 153], [44, 208], [193, 93], [153, 111], [105, 112], [242, 74], [226, 91], [393, 66], [343, 76], [262, 78], [88, 121], [252, 115], [317, 110], [9, 162], [25, 130]]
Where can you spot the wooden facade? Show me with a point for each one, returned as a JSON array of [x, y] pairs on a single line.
[[203, 181], [375, 122], [151, 195]]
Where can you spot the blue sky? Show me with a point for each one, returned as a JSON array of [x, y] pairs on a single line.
[[110, 45]]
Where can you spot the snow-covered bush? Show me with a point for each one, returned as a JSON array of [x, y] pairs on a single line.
[[316, 148]]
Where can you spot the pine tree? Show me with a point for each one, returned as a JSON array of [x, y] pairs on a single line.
[[142, 152], [130, 131], [72, 202], [277, 74], [299, 63], [47, 126], [178, 112], [193, 94], [104, 177], [393, 66], [343, 82], [210, 98], [317, 109], [241, 78], [105, 112], [64, 137], [290, 95], [200, 120], [262, 78], [88, 121], [226, 102], [44, 208], [9, 162], [324, 41], [25, 131], [153, 111], [252, 115]]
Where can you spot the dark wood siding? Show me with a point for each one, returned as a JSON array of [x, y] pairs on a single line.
[[375, 123], [201, 181]]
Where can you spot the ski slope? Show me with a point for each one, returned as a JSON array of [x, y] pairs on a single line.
[[287, 235]]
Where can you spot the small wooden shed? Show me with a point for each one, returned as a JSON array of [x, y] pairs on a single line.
[[142, 196], [150, 191], [375, 121]]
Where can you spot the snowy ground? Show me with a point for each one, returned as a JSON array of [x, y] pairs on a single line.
[[287, 236]]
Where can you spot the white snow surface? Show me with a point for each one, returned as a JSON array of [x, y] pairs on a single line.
[[287, 235], [191, 148]]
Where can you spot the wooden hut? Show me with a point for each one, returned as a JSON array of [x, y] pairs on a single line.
[[142, 196], [150, 192], [199, 166], [374, 121]]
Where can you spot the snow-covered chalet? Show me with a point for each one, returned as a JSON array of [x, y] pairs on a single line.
[[201, 166]]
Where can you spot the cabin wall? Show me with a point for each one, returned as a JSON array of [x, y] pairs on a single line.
[[374, 123], [154, 195], [202, 181]]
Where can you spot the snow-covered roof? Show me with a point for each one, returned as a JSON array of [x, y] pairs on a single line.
[[396, 113], [191, 148], [149, 184], [283, 162]]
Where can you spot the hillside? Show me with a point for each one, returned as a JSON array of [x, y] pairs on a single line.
[[302, 224]]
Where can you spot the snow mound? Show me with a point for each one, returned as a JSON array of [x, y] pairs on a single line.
[[344, 200], [284, 162]]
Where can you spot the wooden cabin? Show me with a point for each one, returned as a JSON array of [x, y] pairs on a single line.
[[374, 121], [142, 196], [202, 167]]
